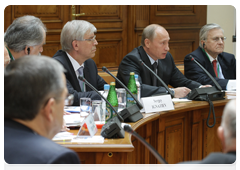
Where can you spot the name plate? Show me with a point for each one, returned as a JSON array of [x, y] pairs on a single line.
[[91, 125], [157, 103]]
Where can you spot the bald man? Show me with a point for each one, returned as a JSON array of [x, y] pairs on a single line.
[[154, 51]]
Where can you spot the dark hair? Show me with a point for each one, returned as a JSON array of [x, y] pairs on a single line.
[[28, 83], [24, 31]]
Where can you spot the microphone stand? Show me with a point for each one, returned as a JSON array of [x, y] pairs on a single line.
[[128, 129]]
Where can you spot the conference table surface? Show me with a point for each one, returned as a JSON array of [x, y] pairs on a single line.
[[127, 147]]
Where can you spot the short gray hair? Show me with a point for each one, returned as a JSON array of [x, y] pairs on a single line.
[[28, 84], [75, 30], [149, 33], [229, 121], [24, 31], [204, 31]]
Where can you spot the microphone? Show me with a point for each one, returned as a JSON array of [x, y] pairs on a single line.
[[132, 113], [163, 83], [111, 129], [209, 75], [128, 129]]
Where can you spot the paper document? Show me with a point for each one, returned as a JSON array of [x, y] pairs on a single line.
[[73, 119], [89, 139], [63, 136], [72, 109]]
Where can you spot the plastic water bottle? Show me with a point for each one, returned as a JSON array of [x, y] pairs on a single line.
[[105, 94], [113, 100], [138, 88], [133, 88]]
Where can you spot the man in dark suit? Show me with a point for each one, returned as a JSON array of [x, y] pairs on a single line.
[[25, 36], [221, 65], [154, 49], [34, 96], [78, 47], [227, 135]]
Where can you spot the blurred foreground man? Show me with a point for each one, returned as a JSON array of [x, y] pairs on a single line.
[[227, 135], [34, 96]]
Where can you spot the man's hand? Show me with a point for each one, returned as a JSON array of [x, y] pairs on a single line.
[[181, 92]]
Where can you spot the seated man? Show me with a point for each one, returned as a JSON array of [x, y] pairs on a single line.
[[34, 96], [78, 47], [154, 51], [25, 36], [221, 65], [227, 135]]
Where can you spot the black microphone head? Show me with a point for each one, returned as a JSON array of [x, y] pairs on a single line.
[[81, 78], [104, 69], [128, 129], [190, 57]]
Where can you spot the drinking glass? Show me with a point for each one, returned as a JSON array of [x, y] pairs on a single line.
[[85, 108], [121, 95]]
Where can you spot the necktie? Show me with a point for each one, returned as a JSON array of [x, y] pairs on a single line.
[[154, 77], [80, 71], [214, 62]]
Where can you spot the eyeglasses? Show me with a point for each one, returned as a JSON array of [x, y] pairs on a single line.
[[69, 100], [92, 39], [216, 39]]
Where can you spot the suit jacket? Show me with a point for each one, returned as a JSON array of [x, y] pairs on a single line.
[[193, 71], [90, 74], [23, 146], [167, 71], [215, 161]]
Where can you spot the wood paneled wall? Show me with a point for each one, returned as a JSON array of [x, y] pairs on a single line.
[[119, 26]]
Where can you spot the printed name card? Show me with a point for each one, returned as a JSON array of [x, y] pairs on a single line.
[[157, 103]]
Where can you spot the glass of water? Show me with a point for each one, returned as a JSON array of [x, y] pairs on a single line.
[[85, 109], [121, 95]]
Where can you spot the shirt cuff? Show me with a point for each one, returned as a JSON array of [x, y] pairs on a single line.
[[231, 86]]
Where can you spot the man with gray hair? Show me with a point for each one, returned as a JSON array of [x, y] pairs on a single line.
[[221, 65], [154, 53], [34, 96], [79, 42], [25, 36], [227, 134]]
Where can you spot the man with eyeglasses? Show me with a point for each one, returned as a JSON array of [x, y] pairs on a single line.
[[34, 97], [79, 43], [25, 36], [221, 65]]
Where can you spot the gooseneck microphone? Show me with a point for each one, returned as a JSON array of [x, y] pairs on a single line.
[[111, 129], [128, 129], [209, 75], [163, 83], [132, 113]]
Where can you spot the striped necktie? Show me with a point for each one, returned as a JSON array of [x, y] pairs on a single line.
[[81, 83]]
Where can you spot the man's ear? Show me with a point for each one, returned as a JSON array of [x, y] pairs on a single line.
[[48, 110], [147, 42], [75, 45], [220, 134], [27, 50]]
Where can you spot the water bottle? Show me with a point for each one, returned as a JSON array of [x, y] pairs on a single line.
[[132, 88], [105, 94], [138, 88], [112, 98]]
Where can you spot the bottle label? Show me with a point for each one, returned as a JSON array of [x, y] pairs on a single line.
[[130, 100], [110, 113]]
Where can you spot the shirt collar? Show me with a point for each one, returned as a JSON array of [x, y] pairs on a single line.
[[152, 60], [211, 58], [75, 64]]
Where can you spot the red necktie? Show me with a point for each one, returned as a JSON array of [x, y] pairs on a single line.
[[214, 62]]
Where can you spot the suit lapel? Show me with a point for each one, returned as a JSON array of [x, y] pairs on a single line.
[[71, 73], [159, 71], [146, 60], [223, 66]]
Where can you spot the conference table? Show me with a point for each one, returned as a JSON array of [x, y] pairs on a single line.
[[178, 135]]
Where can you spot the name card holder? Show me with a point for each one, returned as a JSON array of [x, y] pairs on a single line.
[[157, 103], [88, 128]]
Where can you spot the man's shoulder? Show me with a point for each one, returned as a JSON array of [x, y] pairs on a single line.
[[218, 157]]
